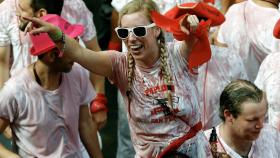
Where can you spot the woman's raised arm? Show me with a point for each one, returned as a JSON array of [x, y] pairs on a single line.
[[96, 62]]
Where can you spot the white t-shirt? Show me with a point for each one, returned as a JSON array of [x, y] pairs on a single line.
[[151, 128], [45, 123], [250, 34], [75, 11], [213, 76], [268, 79], [265, 146]]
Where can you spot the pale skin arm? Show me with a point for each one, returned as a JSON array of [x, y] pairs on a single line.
[[88, 133], [4, 75], [96, 62], [97, 80], [4, 152], [4, 64], [99, 84], [99, 62]]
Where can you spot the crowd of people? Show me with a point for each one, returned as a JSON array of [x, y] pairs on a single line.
[[195, 78]]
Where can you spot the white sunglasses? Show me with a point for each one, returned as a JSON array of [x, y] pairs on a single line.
[[138, 31]]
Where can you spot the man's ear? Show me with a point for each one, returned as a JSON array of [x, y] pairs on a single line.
[[41, 12], [228, 116], [50, 57]]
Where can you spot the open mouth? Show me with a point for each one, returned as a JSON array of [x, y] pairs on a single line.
[[135, 47]]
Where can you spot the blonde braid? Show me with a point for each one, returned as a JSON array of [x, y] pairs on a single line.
[[130, 72], [130, 75], [165, 69]]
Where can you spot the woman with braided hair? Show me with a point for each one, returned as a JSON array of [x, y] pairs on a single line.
[[158, 89]]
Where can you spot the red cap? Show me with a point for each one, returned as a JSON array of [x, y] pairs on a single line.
[[276, 30], [170, 22], [42, 43]]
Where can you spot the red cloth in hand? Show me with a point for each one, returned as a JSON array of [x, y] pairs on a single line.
[[170, 22], [99, 103]]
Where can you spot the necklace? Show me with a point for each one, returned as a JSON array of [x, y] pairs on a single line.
[[37, 78]]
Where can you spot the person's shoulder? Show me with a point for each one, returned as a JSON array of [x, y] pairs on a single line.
[[268, 135], [267, 144], [6, 5], [18, 82], [7, 12], [74, 4], [272, 59], [77, 69], [269, 130], [116, 54], [236, 8]]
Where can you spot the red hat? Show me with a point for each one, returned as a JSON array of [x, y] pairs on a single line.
[[170, 22], [42, 43], [276, 30]]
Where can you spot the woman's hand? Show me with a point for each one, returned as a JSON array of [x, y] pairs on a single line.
[[189, 24], [37, 26]]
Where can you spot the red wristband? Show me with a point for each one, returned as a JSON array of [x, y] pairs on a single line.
[[114, 45], [99, 103]]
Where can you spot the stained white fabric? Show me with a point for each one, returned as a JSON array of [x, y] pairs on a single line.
[[268, 79], [248, 31], [223, 67], [45, 123], [151, 129], [10, 34]]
